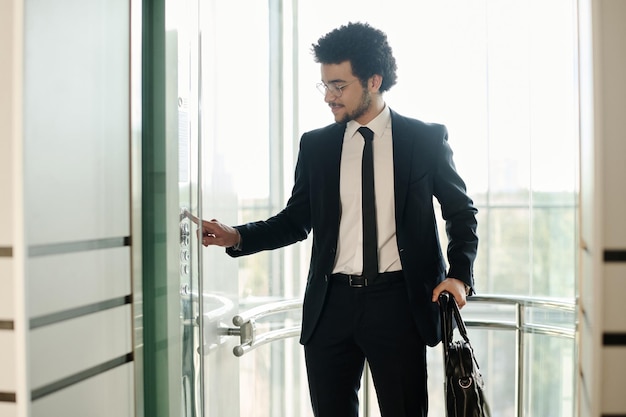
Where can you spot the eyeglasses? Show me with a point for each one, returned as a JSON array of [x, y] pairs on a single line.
[[332, 88]]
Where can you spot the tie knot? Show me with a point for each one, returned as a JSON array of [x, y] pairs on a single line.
[[367, 133]]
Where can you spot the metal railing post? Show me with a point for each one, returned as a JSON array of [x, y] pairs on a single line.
[[520, 351]]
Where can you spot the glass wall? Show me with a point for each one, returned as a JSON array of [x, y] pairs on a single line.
[[501, 75]]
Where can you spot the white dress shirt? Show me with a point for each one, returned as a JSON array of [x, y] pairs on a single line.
[[349, 259]]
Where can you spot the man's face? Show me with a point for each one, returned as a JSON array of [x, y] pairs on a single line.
[[353, 101]]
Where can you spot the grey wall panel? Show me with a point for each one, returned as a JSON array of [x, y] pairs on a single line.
[[62, 282], [106, 395], [614, 290], [76, 197], [613, 96], [70, 347], [76, 127], [614, 368]]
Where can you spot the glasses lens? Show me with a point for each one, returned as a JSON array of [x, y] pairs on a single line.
[[331, 88]]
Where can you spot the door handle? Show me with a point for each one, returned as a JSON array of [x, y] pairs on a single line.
[[249, 339]]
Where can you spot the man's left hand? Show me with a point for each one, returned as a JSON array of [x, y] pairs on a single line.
[[454, 286]]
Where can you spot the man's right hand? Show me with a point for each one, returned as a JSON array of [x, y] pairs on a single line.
[[215, 232]]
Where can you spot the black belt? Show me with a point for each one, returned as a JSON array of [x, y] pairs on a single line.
[[358, 281]]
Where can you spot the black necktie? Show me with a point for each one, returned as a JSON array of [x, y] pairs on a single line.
[[370, 241]]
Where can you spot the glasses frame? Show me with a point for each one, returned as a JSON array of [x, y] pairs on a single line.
[[333, 88]]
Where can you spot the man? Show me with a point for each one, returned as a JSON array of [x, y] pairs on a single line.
[[350, 315]]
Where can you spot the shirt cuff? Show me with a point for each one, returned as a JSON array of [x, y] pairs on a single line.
[[237, 246]]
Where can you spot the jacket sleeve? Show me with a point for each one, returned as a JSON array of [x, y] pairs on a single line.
[[459, 213]]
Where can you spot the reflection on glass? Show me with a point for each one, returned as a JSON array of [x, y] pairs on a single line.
[[550, 395]]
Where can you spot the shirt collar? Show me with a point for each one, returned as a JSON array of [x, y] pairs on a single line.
[[377, 125]]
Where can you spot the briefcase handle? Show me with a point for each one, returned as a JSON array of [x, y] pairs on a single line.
[[450, 315]]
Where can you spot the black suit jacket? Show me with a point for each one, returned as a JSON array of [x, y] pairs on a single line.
[[423, 169]]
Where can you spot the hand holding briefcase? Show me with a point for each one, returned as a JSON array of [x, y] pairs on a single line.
[[464, 385]]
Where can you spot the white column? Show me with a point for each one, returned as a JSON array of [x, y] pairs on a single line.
[[13, 321], [603, 199]]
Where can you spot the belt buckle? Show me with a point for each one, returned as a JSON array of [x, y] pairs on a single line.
[[354, 285]]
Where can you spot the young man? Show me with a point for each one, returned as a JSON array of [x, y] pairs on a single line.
[[350, 313]]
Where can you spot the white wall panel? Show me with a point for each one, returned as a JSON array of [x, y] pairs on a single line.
[[107, 395], [62, 282], [6, 121], [7, 361], [8, 410], [6, 204], [76, 125], [6, 289], [69, 347]]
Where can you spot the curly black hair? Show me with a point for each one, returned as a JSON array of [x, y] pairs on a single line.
[[365, 47]]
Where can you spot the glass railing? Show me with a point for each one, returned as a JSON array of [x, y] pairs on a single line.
[[526, 348]]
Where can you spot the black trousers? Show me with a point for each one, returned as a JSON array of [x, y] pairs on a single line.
[[371, 323]]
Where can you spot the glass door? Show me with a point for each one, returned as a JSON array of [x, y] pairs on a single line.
[[208, 278], [216, 92], [243, 90]]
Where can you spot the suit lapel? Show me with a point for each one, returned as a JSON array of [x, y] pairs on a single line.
[[332, 168], [402, 151]]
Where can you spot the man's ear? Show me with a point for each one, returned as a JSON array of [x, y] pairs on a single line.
[[375, 82]]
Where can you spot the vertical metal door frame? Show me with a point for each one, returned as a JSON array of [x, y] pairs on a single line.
[[155, 215]]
